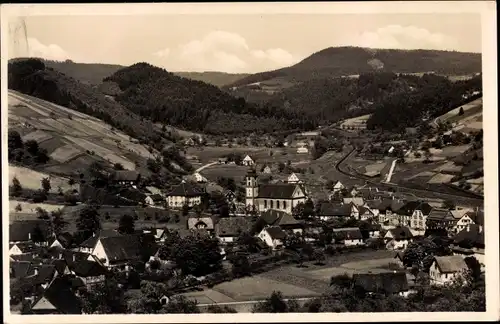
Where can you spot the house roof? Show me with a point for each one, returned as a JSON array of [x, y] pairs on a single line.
[[193, 221], [21, 230], [59, 264], [450, 263], [440, 214], [185, 189], [87, 268], [232, 226], [411, 206], [276, 232], [373, 203], [358, 201], [65, 238], [72, 257], [20, 269], [477, 216], [23, 257], [133, 194], [347, 233], [122, 248], [27, 247], [471, 234], [459, 213], [60, 295], [277, 191], [92, 241], [390, 204], [157, 197], [125, 175], [335, 209], [247, 158], [385, 282], [401, 233], [278, 218]]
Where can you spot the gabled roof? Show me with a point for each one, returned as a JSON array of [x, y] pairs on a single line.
[[20, 269], [193, 221], [133, 194], [92, 241], [335, 209], [72, 257], [28, 247], [122, 248], [277, 191], [125, 175], [247, 158], [21, 230], [275, 232], [459, 213], [385, 282], [60, 295], [450, 263], [373, 203], [390, 204], [232, 226], [185, 189], [87, 268], [357, 201], [411, 206], [347, 233], [59, 264], [65, 238], [401, 233], [477, 216], [365, 210], [278, 218], [157, 197], [440, 214]]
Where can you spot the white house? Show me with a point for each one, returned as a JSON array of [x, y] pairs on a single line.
[[248, 161], [273, 236], [184, 194], [294, 178], [463, 219], [398, 238], [338, 186], [149, 201], [348, 236], [199, 178], [228, 229], [446, 268], [114, 251], [267, 169]]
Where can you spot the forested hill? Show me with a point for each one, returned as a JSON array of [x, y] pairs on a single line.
[[218, 79], [164, 97], [32, 77], [344, 61]]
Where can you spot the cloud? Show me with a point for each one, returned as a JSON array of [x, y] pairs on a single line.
[[49, 52], [222, 51], [162, 53], [405, 37]]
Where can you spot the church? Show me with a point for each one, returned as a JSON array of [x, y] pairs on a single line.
[[282, 196]]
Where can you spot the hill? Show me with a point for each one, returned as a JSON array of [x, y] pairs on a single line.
[[94, 73], [352, 61], [164, 97]]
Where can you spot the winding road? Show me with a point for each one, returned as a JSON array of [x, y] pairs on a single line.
[[204, 167]]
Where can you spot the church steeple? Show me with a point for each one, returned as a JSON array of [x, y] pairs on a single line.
[[252, 187]]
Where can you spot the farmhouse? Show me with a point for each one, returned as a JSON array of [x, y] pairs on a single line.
[[26, 231], [302, 150], [63, 240], [58, 298], [417, 213], [463, 218], [282, 197], [357, 201], [228, 229], [273, 236], [90, 272], [388, 212], [184, 194], [248, 161], [295, 178], [329, 211], [348, 236], [398, 238], [365, 213], [470, 241], [285, 221], [440, 218], [338, 186], [125, 177], [387, 283], [200, 223], [445, 269], [155, 200]]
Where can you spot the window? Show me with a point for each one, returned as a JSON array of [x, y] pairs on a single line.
[[265, 203], [272, 204], [278, 204], [284, 204]]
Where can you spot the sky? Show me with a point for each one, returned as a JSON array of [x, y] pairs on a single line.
[[233, 43]]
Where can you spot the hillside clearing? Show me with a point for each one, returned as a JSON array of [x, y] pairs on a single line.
[[31, 179]]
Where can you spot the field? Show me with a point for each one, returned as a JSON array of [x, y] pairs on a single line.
[[237, 172], [67, 135], [29, 208], [473, 108], [31, 179], [441, 178]]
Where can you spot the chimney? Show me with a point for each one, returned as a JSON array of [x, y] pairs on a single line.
[[468, 227]]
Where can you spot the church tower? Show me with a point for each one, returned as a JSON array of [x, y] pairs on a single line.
[[252, 187]]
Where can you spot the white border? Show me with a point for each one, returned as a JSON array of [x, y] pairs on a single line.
[[487, 9]]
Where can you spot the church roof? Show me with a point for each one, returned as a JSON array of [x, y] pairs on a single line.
[[277, 191]]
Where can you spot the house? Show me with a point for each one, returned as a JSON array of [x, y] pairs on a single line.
[[184, 194], [462, 219], [374, 230], [267, 169], [58, 298], [228, 229], [279, 196], [329, 211], [61, 266], [63, 240], [338, 186], [91, 272], [365, 213], [248, 161], [302, 150], [155, 200], [398, 238], [440, 218], [222, 160], [285, 221], [470, 242], [444, 269], [348, 236], [273, 236], [20, 269], [373, 204], [89, 244], [357, 201], [135, 195], [388, 212], [414, 214], [118, 251], [24, 248], [387, 283], [200, 178], [230, 196], [24, 231], [200, 223], [126, 177], [295, 178]]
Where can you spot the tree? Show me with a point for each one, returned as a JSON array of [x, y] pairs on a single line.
[[273, 304], [197, 254], [42, 213], [17, 189], [474, 273], [104, 298], [118, 166], [448, 204], [38, 236], [58, 222], [31, 147], [149, 301], [46, 185], [329, 185], [71, 181], [216, 309], [181, 305], [88, 221], [18, 208], [461, 111], [126, 224], [39, 196], [185, 209], [240, 265]]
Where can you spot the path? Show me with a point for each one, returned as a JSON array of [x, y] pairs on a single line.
[[204, 167], [391, 171]]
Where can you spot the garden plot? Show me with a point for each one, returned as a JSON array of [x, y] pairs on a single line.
[[441, 178], [38, 136], [208, 296], [28, 208], [476, 181], [113, 158], [24, 111], [376, 167], [61, 128], [451, 151], [35, 123], [79, 126], [31, 179], [350, 268], [449, 167], [257, 287], [66, 153]]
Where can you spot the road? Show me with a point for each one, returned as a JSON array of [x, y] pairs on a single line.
[[462, 199], [391, 171], [204, 167]]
